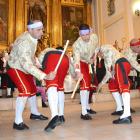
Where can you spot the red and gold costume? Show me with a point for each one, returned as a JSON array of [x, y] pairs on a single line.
[[121, 66], [20, 65], [82, 52], [118, 84], [49, 59]]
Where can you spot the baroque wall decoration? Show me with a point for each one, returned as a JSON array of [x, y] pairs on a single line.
[[87, 1], [37, 10], [111, 7], [3, 21], [80, 2], [72, 17]]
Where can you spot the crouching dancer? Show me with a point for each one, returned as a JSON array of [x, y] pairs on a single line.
[[120, 81], [49, 59]]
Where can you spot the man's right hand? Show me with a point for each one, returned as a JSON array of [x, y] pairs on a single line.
[[51, 76], [79, 75]]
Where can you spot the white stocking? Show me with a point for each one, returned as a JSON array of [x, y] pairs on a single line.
[[32, 101], [87, 105], [118, 99], [61, 99], [8, 91], [20, 104], [53, 100], [126, 102], [83, 96]]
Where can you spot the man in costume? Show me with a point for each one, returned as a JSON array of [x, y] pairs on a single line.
[[20, 68], [130, 52], [83, 54], [49, 59], [119, 78]]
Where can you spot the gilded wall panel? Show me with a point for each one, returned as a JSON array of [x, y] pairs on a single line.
[[3, 22]]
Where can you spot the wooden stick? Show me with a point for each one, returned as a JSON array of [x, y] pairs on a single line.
[[62, 56], [75, 88], [95, 97]]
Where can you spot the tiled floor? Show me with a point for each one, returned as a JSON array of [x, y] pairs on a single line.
[[99, 128]]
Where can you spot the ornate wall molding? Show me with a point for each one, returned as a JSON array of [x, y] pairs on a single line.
[[87, 2], [111, 7], [72, 2]]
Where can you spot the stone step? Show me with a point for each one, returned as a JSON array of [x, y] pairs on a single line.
[[10, 103], [106, 97], [101, 97], [105, 88], [75, 100], [68, 96]]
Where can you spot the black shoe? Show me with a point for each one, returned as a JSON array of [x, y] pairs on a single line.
[[86, 117], [40, 117], [132, 110], [44, 105], [123, 120], [117, 113], [0, 96], [62, 119], [80, 103], [54, 122], [90, 102], [20, 126], [9, 96], [91, 111]]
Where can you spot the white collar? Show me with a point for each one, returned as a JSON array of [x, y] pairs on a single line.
[[33, 39]]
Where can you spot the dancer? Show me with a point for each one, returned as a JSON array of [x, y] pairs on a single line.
[[49, 59], [120, 81], [83, 54], [20, 68]]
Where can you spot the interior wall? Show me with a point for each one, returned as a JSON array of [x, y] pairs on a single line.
[[136, 19], [119, 8], [116, 26], [111, 36]]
